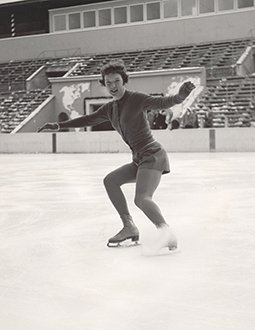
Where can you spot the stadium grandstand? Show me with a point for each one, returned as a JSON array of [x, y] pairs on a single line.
[[52, 51]]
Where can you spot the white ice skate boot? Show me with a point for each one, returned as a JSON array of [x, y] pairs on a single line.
[[165, 239], [129, 231]]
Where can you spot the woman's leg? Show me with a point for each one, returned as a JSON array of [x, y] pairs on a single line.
[[147, 181], [114, 180]]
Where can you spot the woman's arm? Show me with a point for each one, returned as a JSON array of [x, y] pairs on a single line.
[[166, 102], [92, 119]]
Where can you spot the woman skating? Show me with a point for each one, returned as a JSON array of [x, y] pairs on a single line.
[[127, 113]]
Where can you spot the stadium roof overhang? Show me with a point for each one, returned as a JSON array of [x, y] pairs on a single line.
[[52, 3], [18, 2]]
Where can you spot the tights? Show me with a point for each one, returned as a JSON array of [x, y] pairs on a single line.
[[147, 181]]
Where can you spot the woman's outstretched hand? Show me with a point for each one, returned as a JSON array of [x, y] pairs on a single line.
[[49, 126], [185, 89]]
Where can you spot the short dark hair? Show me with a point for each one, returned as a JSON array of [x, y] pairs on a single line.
[[115, 66]]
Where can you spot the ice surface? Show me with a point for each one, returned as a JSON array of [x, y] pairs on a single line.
[[56, 272]]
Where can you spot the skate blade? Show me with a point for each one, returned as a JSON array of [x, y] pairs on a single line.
[[161, 252], [172, 248], [124, 244]]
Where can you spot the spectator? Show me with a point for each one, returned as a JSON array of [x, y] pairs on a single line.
[[208, 118], [175, 124], [190, 119], [160, 120], [151, 118], [169, 117]]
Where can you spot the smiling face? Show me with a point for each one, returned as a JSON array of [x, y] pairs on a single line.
[[115, 85]]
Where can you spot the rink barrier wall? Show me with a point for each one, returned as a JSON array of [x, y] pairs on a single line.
[[54, 143], [26, 143], [212, 139], [182, 140]]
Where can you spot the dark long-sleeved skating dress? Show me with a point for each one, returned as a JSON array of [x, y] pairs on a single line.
[[129, 118]]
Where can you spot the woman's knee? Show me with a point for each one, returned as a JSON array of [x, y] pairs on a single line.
[[141, 200], [108, 180]]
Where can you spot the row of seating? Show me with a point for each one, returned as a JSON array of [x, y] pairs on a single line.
[[18, 105], [18, 70], [230, 100], [211, 55], [217, 54], [233, 92]]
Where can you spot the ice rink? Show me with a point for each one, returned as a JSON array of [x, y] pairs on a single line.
[[56, 272]]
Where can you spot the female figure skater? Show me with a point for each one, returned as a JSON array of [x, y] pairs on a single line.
[[127, 114]]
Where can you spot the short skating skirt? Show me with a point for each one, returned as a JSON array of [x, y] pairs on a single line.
[[153, 157]]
